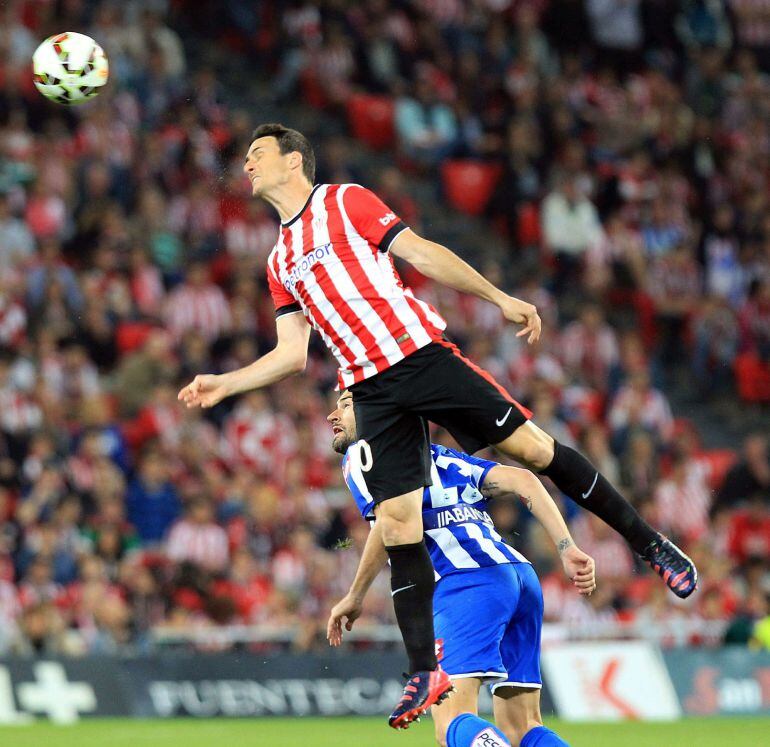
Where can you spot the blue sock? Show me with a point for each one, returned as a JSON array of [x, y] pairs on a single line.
[[467, 730], [542, 736]]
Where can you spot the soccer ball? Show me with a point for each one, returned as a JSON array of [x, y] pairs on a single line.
[[69, 68]]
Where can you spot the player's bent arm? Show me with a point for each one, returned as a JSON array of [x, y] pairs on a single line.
[[509, 481], [503, 481], [372, 561], [288, 357], [439, 263]]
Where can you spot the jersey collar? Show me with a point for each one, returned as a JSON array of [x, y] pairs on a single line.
[[302, 209]]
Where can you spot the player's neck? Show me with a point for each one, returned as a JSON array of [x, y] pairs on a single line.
[[289, 199]]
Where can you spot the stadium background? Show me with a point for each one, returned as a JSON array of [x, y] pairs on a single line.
[[608, 160]]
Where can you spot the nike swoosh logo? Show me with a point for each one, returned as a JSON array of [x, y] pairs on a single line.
[[504, 418], [593, 485], [403, 588]]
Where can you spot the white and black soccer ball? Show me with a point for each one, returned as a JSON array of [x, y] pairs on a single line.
[[69, 68]]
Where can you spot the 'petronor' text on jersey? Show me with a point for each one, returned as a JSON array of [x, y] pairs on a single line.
[[304, 264]]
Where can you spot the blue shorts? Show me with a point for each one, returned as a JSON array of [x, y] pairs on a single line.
[[488, 624]]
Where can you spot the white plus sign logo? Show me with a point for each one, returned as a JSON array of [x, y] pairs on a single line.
[[54, 695]]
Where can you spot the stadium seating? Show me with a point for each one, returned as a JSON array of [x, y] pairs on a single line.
[[468, 184], [370, 119]]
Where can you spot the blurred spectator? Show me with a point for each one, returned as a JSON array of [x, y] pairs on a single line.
[[152, 502], [43, 632], [682, 502], [197, 304], [749, 530], [16, 239], [140, 370], [716, 336], [675, 287], [426, 127], [639, 405], [198, 539], [616, 26], [570, 227], [590, 348], [748, 477]]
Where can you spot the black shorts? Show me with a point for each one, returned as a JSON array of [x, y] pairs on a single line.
[[435, 383]]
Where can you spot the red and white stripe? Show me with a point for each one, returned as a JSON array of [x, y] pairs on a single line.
[[351, 294], [13, 323], [203, 544], [205, 310], [683, 507]]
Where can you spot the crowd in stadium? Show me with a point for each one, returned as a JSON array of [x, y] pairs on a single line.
[[633, 165]]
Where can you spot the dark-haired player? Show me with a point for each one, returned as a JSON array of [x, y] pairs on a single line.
[[488, 605], [332, 270]]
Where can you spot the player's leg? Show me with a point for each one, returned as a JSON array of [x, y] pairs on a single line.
[[472, 611], [411, 576], [516, 701], [577, 478], [457, 722], [517, 715], [392, 464], [478, 412]]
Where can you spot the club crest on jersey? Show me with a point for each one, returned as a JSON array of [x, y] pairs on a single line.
[[304, 265]]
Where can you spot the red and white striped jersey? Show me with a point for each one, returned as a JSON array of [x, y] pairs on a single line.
[[331, 263]]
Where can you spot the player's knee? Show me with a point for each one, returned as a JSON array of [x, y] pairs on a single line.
[[530, 446], [401, 532], [400, 521]]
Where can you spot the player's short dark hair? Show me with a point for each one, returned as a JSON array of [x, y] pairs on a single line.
[[289, 141]]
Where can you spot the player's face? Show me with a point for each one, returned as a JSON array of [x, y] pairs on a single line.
[[343, 421], [265, 166]]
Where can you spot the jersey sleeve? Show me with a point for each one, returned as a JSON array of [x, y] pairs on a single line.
[[479, 468], [284, 302], [371, 217], [351, 471]]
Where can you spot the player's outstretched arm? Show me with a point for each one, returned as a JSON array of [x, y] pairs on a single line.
[[288, 357], [439, 263], [373, 559], [503, 481]]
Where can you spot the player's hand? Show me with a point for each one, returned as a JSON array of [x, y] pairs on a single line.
[[350, 608], [520, 312], [580, 569], [204, 390]]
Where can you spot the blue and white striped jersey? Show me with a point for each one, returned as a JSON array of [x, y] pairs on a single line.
[[459, 532]]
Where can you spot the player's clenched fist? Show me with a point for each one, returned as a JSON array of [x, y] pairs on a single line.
[[205, 390], [580, 569]]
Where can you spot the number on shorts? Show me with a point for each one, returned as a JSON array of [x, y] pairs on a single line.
[[363, 455]]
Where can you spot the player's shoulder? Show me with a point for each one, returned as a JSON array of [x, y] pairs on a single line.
[[353, 191], [438, 451], [444, 455]]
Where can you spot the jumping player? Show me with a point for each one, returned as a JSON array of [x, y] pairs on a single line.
[[488, 607], [331, 270]]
